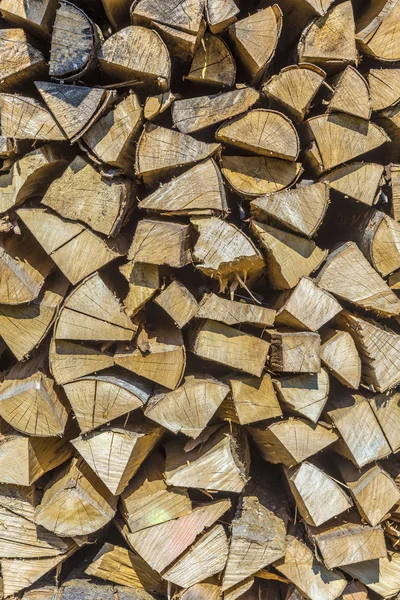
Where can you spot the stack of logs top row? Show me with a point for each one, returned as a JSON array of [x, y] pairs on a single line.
[[200, 299]]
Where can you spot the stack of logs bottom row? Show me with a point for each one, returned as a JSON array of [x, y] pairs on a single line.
[[199, 300]]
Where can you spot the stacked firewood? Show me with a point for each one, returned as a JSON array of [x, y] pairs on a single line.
[[199, 299]]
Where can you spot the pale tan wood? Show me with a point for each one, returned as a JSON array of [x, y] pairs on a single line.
[[137, 53], [221, 462], [213, 64], [384, 87], [62, 239], [252, 176], [99, 399], [295, 352], [351, 95], [288, 256], [186, 15], [255, 38], [360, 181], [338, 138], [291, 441], [377, 30], [73, 44], [201, 591], [329, 40], [178, 303], [387, 410], [310, 576], [252, 399], [380, 576], [37, 18], [305, 394], [373, 490], [161, 243], [234, 313], [189, 408], [117, 564], [21, 61], [339, 354], [362, 439], [355, 591], [144, 282], [69, 361], [205, 558], [75, 502], [300, 209], [194, 114], [265, 132], [160, 355], [225, 253], [181, 44], [220, 14], [27, 118], [19, 500], [216, 342], [157, 105], [295, 87], [395, 183], [161, 150], [307, 307], [197, 192]]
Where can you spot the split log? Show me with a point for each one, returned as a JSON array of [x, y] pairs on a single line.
[[348, 275], [99, 399], [225, 253], [201, 591], [355, 591], [387, 410], [251, 399], [384, 87], [148, 501], [251, 176], [160, 151], [377, 31], [264, 132], [295, 352], [197, 192], [255, 38], [351, 95], [62, 239], [161, 243], [329, 40], [21, 61], [318, 497], [300, 209], [144, 281], [27, 119], [225, 345], [178, 303], [189, 408], [115, 453], [373, 490], [354, 441], [395, 183], [360, 181], [213, 64], [221, 462], [304, 395], [69, 361], [291, 441], [73, 44], [310, 576], [307, 308], [157, 105], [160, 356], [186, 15], [219, 14], [37, 19], [339, 354], [337, 138], [233, 313], [75, 502], [380, 576], [295, 87], [194, 114], [288, 256], [137, 54]]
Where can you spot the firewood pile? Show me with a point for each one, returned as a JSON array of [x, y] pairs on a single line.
[[199, 299]]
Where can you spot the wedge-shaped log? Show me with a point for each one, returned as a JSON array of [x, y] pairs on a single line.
[[27, 119], [217, 342], [98, 202], [310, 576], [178, 303], [291, 441], [384, 87], [306, 307], [220, 463], [193, 114], [213, 64], [289, 257], [360, 181], [295, 352], [181, 44], [144, 282], [92, 313], [380, 576], [339, 354], [305, 394], [255, 38], [251, 176], [225, 253], [351, 94], [355, 591], [219, 14], [37, 19], [138, 54], [387, 410], [186, 15], [377, 31], [69, 361], [197, 192], [157, 105], [75, 502], [300, 209], [295, 87], [395, 181], [21, 62], [62, 239], [99, 399], [234, 313], [189, 408], [252, 399], [261, 131]]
